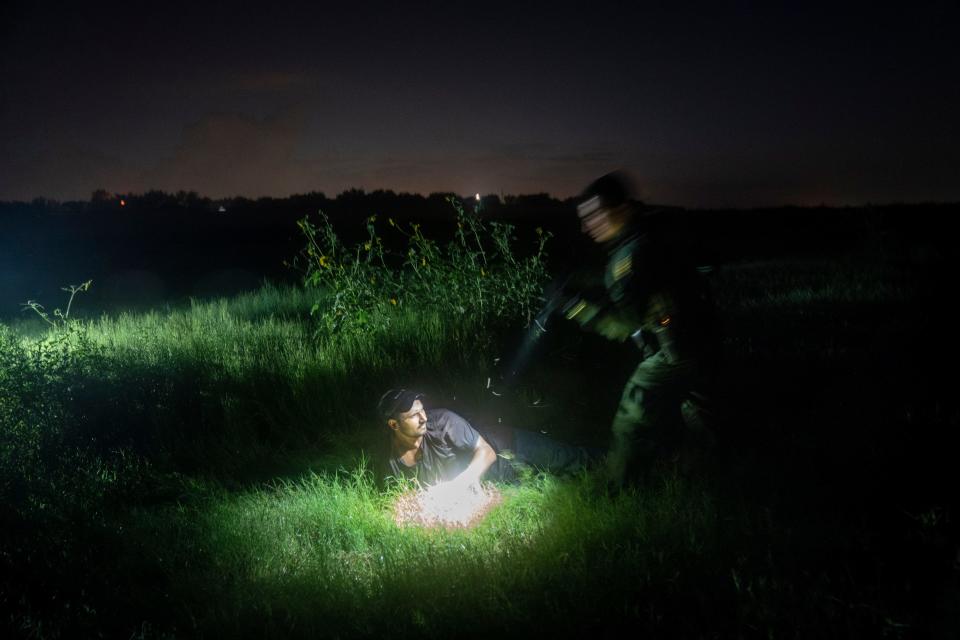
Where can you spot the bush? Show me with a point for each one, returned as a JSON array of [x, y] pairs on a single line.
[[478, 273], [52, 447]]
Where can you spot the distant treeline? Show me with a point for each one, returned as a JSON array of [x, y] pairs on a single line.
[[155, 246]]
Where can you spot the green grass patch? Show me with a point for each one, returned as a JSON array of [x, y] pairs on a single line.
[[205, 472], [321, 555]]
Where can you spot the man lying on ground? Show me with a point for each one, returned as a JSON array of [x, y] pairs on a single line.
[[438, 446]]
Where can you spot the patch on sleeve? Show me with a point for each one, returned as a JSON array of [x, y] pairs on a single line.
[[622, 267]]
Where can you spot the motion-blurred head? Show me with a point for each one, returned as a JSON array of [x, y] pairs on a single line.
[[605, 209]]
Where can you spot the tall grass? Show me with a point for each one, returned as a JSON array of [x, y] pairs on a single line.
[[220, 384], [778, 285], [321, 556], [206, 472]]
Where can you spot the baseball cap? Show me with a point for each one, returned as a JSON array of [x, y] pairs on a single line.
[[396, 401]]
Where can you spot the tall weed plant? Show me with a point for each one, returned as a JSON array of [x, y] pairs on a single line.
[[479, 274]]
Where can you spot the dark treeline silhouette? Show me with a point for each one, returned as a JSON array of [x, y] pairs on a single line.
[[147, 249]]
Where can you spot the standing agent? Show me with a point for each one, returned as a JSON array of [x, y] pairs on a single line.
[[656, 300]]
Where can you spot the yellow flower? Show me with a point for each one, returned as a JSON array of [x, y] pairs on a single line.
[[393, 301], [423, 262], [325, 262], [366, 245]]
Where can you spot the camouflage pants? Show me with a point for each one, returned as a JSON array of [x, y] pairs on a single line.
[[649, 419]]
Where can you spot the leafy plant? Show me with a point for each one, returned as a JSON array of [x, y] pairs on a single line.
[[60, 318], [478, 273]]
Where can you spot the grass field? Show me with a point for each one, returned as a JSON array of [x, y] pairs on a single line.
[[205, 472]]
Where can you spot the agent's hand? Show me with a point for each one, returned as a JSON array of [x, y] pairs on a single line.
[[613, 329]]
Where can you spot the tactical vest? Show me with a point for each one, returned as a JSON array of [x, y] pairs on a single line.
[[638, 289]]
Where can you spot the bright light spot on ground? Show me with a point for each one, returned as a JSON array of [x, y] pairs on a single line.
[[446, 505]]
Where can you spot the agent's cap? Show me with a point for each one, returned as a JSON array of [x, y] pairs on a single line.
[[396, 401]]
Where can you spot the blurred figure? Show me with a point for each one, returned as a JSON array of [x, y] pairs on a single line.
[[656, 298]]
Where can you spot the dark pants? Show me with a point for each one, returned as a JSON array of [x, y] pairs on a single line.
[[521, 447], [649, 420]]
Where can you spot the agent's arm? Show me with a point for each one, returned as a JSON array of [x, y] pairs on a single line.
[[600, 318]]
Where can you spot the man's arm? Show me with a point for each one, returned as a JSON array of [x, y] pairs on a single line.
[[466, 441], [483, 458]]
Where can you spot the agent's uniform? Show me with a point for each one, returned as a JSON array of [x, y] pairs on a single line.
[[659, 303]]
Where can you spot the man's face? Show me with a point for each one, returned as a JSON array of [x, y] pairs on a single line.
[[600, 222], [412, 423]]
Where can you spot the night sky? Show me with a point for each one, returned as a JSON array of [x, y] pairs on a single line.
[[741, 104]]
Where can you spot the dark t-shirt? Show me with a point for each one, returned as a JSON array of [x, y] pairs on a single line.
[[445, 451]]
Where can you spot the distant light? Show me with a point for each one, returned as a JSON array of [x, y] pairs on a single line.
[[123, 202], [478, 197]]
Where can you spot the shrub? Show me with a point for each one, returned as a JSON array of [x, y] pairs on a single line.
[[478, 273]]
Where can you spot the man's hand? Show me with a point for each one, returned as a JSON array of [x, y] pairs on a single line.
[[483, 457], [450, 503], [457, 490]]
